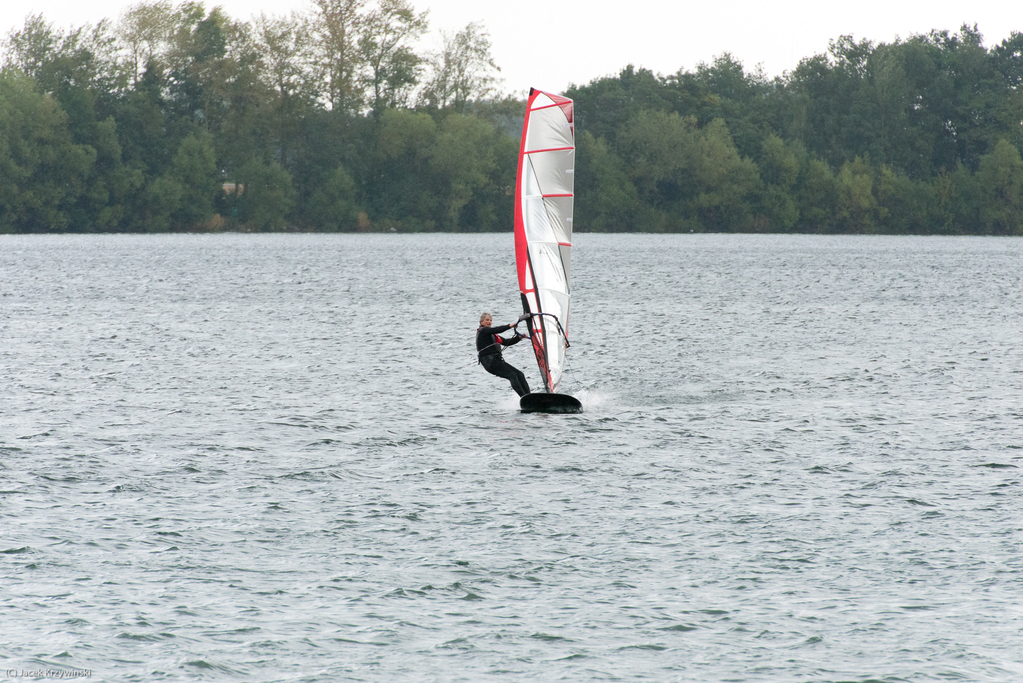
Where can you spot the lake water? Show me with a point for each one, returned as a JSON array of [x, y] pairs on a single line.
[[273, 458]]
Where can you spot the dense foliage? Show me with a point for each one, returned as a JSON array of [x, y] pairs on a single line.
[[918, 136], [179, 118]]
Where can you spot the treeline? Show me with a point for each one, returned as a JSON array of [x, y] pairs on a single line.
[[178, 118], [919, 136]]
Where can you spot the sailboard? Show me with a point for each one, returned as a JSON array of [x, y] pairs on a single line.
[[544, 197]]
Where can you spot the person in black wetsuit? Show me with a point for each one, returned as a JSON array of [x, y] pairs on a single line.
[[488, 346]]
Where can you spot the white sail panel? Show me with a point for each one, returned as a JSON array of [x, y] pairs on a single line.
[[559, 213], [545, 219], [542, 100], [548, 268], [528, 182], [552, 300], [554, 170], [539, 224], [549, 129]]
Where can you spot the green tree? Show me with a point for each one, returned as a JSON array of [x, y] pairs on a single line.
[[1007, 59], [210, 79], [779, 169], [1001, 178], [286, 62], [492, 205], [144, 30], [143, 129], [162, 200], [605, 104], [84, 57], [725, 90], [264, 196], [337, 26], [829, 112], [109, 187], [694, 177], [334, 206], [886, 86], [184, 197], [727, 183], [43, 170], [857, 210], [392, 67], [817, 193], [403, 190], [460, 164], [606, 200], [462, 70], [905, 204], [79, 69], [659, 149], [959, 97]]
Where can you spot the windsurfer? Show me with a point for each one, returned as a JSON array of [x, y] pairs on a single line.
[[488, 346]]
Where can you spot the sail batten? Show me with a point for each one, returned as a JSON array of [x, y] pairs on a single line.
[[544, 199]]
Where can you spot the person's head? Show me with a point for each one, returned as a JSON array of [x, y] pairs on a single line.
[[486, 320]]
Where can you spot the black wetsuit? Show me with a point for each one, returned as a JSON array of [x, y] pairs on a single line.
[[488, 346]]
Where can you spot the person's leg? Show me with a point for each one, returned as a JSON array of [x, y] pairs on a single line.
[[501, 369], [519, 383]]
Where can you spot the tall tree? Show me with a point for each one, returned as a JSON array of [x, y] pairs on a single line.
[[79, 69], [392, 68], [857, 207], [286, 63], [461, 162], [1000, 178], [195, 57], [83, 57], [337, 25], [334, 206], [462, 70], [606, 200], [817, 196], [43, 170], [401, 186], [145, 30], [779, 169], [183, 198], [266, 196]]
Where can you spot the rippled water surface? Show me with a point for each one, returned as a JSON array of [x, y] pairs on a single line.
[[273, 458]]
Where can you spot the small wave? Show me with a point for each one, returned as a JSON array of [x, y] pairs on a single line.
[[203, 664], [549, 638], [141, 637], [16, 551], [339, 639]]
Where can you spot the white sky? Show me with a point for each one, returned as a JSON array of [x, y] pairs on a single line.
[[549, 44]]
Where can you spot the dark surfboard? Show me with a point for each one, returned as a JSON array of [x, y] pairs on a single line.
[[550, 403]]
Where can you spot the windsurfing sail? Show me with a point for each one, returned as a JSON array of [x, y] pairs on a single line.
[[543, 227]]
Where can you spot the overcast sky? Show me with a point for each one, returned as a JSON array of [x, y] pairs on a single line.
[[549, 44]]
